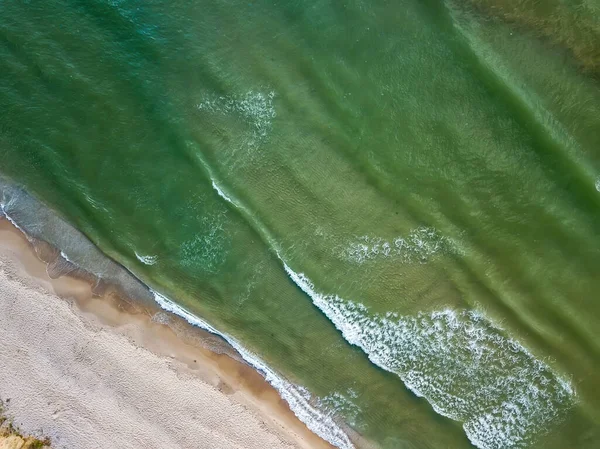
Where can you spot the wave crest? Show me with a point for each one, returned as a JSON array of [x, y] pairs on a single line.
[[420, 245], [461, 363]]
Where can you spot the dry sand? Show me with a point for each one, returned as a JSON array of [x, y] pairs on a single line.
[[94, 373]]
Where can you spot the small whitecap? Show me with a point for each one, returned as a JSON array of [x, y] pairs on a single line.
[[221, 193], [64, 256], [340, 404], [256, 109], [148, 260], [419, 245]]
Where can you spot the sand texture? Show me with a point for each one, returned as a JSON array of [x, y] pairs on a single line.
[[88, 374]]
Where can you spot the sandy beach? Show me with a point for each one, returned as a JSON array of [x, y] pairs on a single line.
[[98, 372]]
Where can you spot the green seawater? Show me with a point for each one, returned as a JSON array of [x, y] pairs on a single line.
[[394, 204]]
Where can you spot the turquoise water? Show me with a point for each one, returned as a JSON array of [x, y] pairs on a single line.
[[393, 205]]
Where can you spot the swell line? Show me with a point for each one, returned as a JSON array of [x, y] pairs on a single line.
[[547, 129], [459, 361]]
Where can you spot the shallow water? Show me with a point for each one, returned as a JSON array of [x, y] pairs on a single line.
[[394, 205]]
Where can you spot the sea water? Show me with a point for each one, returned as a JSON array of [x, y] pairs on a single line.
[[391, 209]]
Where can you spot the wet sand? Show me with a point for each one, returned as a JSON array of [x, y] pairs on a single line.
[[103, 372]]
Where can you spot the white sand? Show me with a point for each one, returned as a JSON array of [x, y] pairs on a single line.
[[87, 384]]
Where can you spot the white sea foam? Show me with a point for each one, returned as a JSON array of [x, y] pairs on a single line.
[[420, 245], [221, 193], [465, 367], [461, 363], [254, 108], [148, 260], [340, 404], [3, 206], [297, 397], [64, 256], [14, 223], [208, 249], [229, 198]]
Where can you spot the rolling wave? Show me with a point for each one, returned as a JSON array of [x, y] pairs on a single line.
[[297, 397], [461, 363], [146, 260]]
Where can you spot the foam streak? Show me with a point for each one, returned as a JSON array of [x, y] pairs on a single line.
[[462, 364], [317, 422]]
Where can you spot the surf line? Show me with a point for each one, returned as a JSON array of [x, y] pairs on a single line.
[[319, 423], [470, 327], [9, 218]]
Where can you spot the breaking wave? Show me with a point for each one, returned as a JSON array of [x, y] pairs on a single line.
[[304, 406], [464, 365], [461, 363], [147, 260], [298, 398], [419, 245]]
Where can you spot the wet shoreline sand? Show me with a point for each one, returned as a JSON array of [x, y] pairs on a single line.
[[208, 398]]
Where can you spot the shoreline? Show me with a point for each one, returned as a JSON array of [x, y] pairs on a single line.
[[167, 340]]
